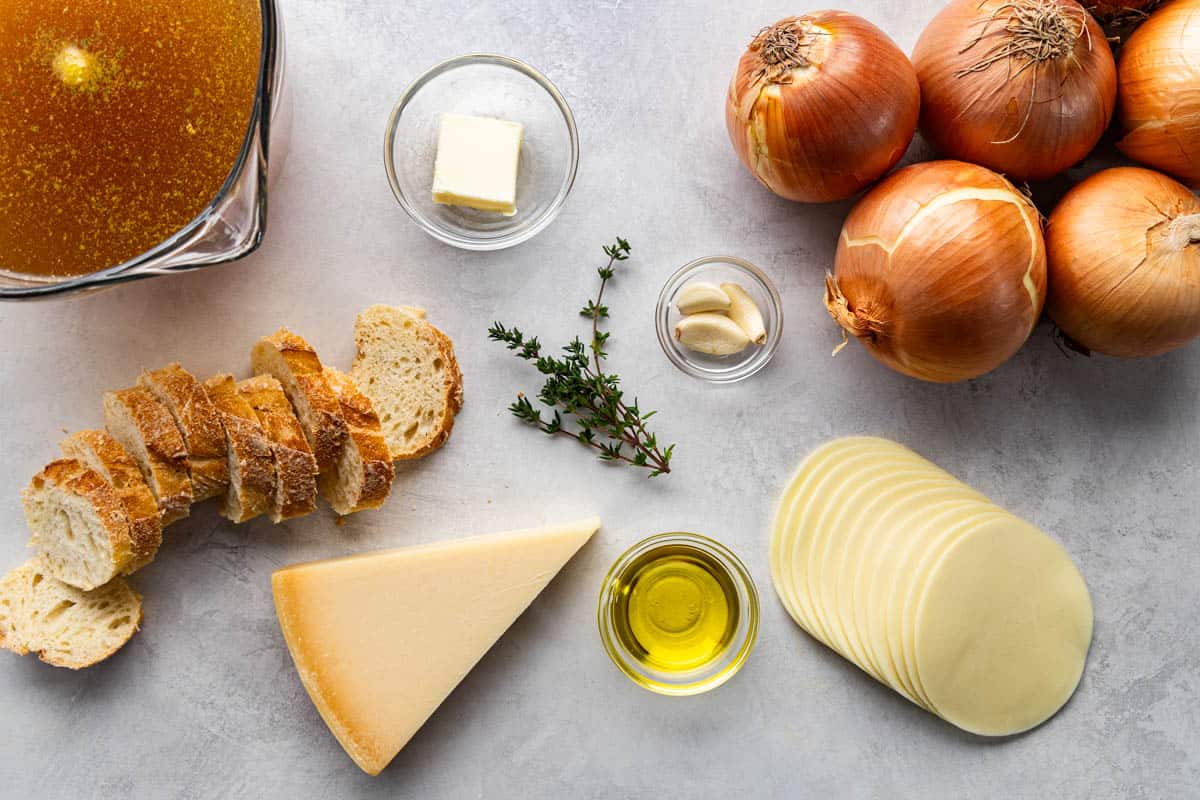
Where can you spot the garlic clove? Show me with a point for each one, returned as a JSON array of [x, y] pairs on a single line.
[[745, 312], [699, 296], [711, 333]]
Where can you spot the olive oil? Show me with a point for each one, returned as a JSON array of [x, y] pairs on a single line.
[[119, 122], [675, 608]]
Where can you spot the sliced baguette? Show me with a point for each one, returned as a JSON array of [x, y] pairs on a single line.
[[197, 421], [295, 466], [77, 524], [364, 471], [293, 362], [65, 626], [147, 431], [251, 460], [104, 455], [407, 368]]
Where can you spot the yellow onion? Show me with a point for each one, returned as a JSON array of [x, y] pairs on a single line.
[[1124, 262], [821, 106], [940, 271], [1159, 83], [1025, 87]]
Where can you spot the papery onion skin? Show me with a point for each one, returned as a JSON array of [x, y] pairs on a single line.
[[940, 271], [1159, 89], [1121, 12], [1119, 18], [1027, 119], [1109, 11], [1124, 262], [824, 131]]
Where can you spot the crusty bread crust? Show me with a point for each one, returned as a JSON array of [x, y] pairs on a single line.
[[295, 466], [197, 420], [146, 429], [454, 391], [251, 460], [451, 391], [294, 363], [74, 478], [37, 611], [374, 461], [104, 455]]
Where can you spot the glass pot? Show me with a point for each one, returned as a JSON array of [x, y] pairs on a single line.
[[233, 223]]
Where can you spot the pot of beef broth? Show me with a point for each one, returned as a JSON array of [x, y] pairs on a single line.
[[133, 137]]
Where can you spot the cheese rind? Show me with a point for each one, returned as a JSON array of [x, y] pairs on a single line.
[[381, 639], [477, 163]]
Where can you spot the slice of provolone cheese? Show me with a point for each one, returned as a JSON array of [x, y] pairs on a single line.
[[381, 639], [1002, 629]]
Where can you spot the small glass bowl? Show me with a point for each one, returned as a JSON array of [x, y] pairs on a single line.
[[490, 86], [720, 269], [703, 678]]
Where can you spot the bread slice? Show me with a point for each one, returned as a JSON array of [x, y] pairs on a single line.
[[147, 431], [364, 472], [408, 369], [77, 524], [65, 626], [295, 466], [104, 455], [296, 366], [251, 460], [197, 421]]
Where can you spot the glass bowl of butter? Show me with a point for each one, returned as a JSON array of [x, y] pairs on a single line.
[[481, 151]]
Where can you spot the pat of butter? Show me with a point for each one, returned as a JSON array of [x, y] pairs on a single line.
[[477, 161]]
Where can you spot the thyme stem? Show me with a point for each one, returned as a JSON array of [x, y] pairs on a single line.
[[576, 388]]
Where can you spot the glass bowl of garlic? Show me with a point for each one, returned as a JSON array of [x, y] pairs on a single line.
[[719, 318]]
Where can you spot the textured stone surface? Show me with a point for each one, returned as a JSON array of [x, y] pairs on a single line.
[[204, 702]]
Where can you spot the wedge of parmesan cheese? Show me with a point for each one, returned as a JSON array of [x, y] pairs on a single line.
[[381, 639]]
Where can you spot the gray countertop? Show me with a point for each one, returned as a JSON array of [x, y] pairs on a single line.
[[204, 702]]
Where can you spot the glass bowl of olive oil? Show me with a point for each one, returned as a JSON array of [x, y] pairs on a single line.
[[678, 613]]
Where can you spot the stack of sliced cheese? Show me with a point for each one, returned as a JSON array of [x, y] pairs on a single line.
[[930, 588], [266, 445]]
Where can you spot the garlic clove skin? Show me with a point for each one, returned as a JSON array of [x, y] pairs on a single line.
[[699, 296], [745, 313], [711, 333]]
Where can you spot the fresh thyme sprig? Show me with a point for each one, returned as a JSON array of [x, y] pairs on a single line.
[[577, 388]]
